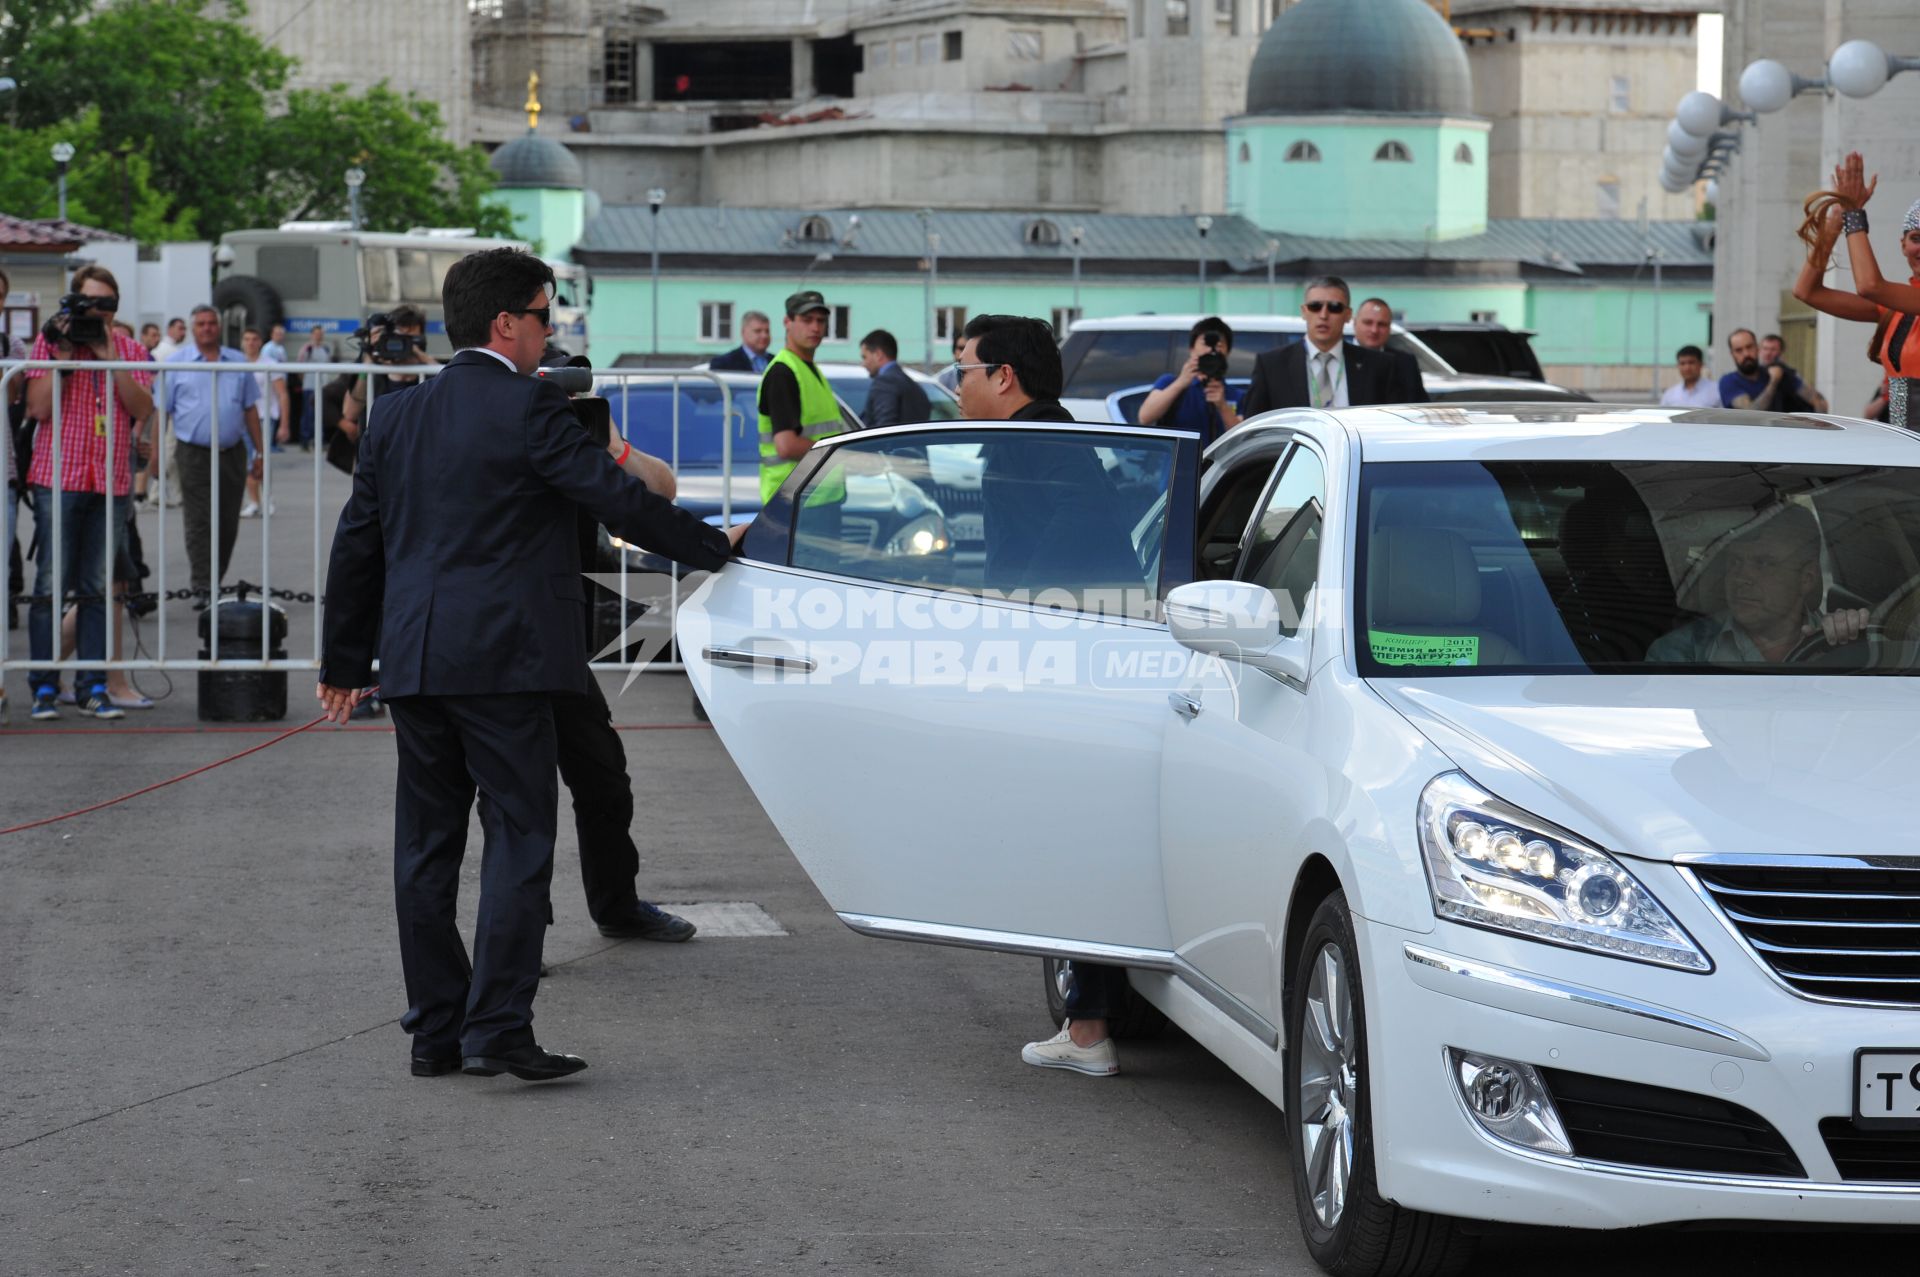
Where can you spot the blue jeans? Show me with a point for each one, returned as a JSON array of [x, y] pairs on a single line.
[[82, 543]]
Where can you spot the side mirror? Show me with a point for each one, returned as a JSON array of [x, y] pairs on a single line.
[[1235, 621]]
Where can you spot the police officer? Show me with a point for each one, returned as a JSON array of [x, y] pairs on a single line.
[[797, 406]]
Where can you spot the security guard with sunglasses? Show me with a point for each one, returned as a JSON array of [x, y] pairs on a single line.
[[1326, 371]]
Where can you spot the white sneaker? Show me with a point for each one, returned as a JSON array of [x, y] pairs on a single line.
[[251, 510], [1059, 1052]]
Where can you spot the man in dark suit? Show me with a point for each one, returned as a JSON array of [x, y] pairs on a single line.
[[756, 335], [1372, 329], [1325, 371], [895, 399], [457, 548]]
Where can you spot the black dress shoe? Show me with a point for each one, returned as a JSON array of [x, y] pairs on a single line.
[[528, 1063], [647, 922], [435, 1065]]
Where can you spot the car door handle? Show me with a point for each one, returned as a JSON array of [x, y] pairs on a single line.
[[748, 658], [1184, 705]]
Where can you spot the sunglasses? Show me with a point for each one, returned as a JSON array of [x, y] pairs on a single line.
[[542, 313], [951, 376], [1332, 308]]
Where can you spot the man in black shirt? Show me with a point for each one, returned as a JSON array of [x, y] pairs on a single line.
[[1009, 370]]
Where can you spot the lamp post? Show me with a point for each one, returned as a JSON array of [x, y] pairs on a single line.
[[356, 177], [926, 308], [655, 198], [1859, 68], [62, 156], [1075, 237], [1203, 224], [1273, 251]]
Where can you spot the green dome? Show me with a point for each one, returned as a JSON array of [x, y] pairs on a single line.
[[1396, 57], [539, 162]]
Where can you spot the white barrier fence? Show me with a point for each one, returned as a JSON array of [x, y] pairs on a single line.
[[299, 583]]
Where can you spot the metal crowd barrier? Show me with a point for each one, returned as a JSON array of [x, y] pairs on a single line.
[[330, 489]]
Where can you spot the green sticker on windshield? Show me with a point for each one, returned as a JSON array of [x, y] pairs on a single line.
[[1424, 649]]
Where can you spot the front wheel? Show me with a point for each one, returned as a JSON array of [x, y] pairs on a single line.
[[1350, 1229]]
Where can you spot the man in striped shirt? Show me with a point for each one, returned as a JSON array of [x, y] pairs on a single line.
[[90, 491]]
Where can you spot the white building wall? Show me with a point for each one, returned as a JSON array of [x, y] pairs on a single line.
[[421, 48]]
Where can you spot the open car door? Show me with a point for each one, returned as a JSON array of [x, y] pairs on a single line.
[[941, 666]]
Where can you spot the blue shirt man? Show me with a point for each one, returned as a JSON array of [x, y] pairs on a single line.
[[1180, 401], [194, 399]]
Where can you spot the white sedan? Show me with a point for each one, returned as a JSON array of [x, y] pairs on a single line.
[[1520, 796]]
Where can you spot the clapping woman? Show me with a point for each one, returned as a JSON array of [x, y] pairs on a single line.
[[1896, 306]]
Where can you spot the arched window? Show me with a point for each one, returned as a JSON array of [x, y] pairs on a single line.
[[1246, 153], [816, 230], [1394, 153], [1463, 154], [1303, 153], [1041, 231]]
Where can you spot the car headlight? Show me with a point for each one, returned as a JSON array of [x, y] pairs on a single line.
[[924, 535], [1492, 865]]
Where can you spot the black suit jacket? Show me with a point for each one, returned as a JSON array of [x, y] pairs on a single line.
[[1373, 377], [735, 360], [458, 546], [896, 400]]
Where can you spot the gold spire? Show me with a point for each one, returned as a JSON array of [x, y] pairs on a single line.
[[533, 101]]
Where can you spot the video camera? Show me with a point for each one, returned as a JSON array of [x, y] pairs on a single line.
[[573, 374], [87, 319], [1213, 364], [381, 345]]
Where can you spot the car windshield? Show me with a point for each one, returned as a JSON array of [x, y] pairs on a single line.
[[1408, 344], [1637, 567]]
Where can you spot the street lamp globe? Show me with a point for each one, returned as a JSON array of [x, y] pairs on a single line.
[[356, 176], [1766, 86], [1698, 113], [1203, 223], [1671, 184], [1681, 142], [1713, 191], [655, 198], [1858, 68], [63, 153]]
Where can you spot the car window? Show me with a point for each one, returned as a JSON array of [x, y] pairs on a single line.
[[642, 412], [1421, 354], [1638, 568], [1112, 359], [1057, 518], [1283, 544]]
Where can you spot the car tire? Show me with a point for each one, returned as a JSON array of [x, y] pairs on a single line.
[[1350, 1230], [1138, 1018], [253, 302]]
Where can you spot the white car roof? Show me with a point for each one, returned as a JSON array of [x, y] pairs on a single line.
[[1149, 323], [1609, 432]]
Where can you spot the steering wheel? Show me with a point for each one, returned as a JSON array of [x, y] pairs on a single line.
[[1859, 653]]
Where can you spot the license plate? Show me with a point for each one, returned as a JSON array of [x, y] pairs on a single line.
[[1886, 1087]]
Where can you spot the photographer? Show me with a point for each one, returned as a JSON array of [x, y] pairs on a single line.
[[80, 495], [1197, 398], [396, 338]]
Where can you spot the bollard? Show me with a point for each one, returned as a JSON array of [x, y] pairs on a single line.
[[250, 697]]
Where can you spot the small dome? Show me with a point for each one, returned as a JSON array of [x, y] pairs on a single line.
[[534, 161], [1395, 57]]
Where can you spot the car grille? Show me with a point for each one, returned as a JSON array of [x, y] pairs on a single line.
[[1886, 1156], [1634, 1125], [1848, 929]]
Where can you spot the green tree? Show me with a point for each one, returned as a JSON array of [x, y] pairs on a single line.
[[103, 185], [415, 177]]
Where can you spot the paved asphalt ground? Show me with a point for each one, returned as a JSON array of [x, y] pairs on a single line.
[[201, 1069]]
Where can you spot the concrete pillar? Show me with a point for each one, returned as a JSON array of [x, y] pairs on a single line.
[[643, 70], [802, 69], [1881, 129]]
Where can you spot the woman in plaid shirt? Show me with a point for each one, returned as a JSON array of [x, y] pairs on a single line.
[[95, 478]]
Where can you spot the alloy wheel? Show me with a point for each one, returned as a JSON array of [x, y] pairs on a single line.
[[1328, 1087]]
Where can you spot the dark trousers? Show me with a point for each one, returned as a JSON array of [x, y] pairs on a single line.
[[1098, 992], [593, 766], [197, 514], [82, 557], [451, 747]]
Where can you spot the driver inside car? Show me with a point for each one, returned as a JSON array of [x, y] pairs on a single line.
[[1772, 602]]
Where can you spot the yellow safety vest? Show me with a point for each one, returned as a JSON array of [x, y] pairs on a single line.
[[819, 419]]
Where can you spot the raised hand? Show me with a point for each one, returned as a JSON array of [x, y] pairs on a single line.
[[1851, 183]]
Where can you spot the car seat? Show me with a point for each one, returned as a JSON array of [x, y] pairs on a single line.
[[1423, 587]]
